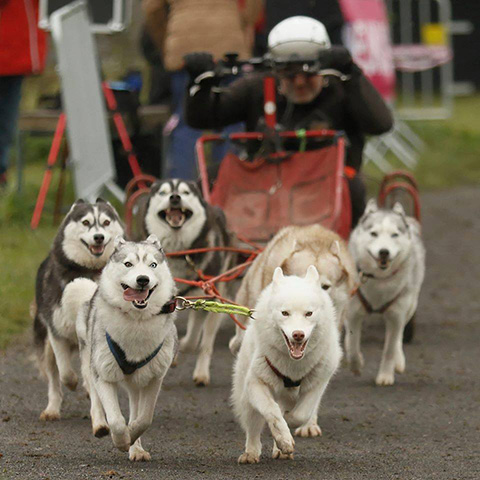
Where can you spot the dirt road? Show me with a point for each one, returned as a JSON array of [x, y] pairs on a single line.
[[426, 426]]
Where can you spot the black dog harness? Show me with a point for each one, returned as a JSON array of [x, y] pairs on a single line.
[[119, 354], [287, 381]]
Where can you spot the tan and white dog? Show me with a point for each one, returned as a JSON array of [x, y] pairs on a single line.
[[293, 249], [290, 351]]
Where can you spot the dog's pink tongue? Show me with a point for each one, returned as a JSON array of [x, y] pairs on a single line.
[[297, 350], [175, 216], [130, 294]]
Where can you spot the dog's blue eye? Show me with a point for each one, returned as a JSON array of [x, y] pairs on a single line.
[[128, 264], [394, 235], [153, 265], [374, 234], [308, 314], [285, 313]]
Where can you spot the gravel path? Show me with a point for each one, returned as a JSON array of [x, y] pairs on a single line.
[[426, 426]]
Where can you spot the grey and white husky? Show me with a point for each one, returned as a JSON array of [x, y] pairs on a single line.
[[81, 248], [178, 215], [127, 338], [388, 250]]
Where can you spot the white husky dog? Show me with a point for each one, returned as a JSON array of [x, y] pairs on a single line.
[[127, 338], [390, 256], [288, 355]]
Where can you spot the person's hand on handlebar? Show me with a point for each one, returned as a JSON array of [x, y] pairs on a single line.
[[197, 63], [338, 58]]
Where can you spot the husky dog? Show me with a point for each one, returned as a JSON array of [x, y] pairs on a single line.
[[81, 248], [290, 351], [294, 249], [127, 338], [179, 216], [390, 256]]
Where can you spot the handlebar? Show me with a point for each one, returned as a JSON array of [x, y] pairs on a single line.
[[232, 66]]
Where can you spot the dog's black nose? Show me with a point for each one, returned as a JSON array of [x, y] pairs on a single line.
[[384, 253], [175, 199], [99, 238], [143, 280]]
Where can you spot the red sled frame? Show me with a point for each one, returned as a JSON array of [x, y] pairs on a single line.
[[310, 134]]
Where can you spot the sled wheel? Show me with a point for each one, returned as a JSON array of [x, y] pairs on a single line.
[[134, 197], [133, 184], [409, 330], [401, 192]]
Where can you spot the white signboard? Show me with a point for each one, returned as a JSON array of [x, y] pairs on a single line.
[[87, 126]]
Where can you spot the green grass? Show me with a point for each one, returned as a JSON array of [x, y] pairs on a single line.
[[451, 158], [451, 155]]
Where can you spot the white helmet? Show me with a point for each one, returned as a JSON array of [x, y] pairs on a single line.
[[298, 38]]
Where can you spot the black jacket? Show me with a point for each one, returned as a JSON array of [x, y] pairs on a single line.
[[353, 106]]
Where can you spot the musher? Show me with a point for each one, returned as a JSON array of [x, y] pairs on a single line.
[[300, 48]]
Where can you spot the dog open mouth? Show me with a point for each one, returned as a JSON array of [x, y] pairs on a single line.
[[95, 249], [139, 298], [295, 349], [175, 217], [383, 263]]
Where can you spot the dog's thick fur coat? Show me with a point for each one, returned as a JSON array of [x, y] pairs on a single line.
[[128, 308], [177, 214], [81, 248], [295, 332], [390, 256]]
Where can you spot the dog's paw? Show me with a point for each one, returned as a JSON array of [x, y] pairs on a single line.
[[70, 381], [278, 455], [49, 415], [308, 431], [122, 441], [101, 431], [247, 457], [138, 454], [234, 345], [356, 363], [385, 378], [285, 443], [201, 378]]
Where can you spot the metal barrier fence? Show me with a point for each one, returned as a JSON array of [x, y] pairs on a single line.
[[422, 56]]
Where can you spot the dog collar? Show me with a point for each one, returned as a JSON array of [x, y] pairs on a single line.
[[169, 307], [287, 381], [364, 276], [128, 367]]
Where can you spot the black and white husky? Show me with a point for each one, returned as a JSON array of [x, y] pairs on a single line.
[[81, 248], [127, 338], [179, 216], [388, 250]]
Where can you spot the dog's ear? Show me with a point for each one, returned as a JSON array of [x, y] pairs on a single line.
[[118, 242], [335, 248], [100, 200], [312, 274], [371, 207], [153, 239], [278, 275], [398, 208]]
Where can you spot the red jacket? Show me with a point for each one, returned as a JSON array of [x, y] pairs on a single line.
[[23, 46]]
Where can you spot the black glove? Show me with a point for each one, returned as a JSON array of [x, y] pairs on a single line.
[[198, 63], [338, 58]]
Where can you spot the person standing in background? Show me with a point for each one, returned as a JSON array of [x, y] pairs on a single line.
[[23, 48], [179, 27]]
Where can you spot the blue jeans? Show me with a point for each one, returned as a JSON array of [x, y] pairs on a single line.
[[181, 159], [10, 92]]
